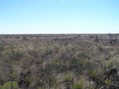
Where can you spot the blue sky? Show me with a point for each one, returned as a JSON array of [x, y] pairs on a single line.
[[59, 16]]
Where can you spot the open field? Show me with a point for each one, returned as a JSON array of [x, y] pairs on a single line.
[[59, 61]]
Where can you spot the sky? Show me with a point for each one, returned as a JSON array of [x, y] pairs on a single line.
[[59, 16]]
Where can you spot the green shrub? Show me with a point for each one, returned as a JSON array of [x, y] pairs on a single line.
[[79, 84], [16, 54], [10, 85], [51, 81], [24, 38], [107, 81], [67, 78], [93, 73], [68, 81]]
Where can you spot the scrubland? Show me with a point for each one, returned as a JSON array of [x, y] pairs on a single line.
[[66, 61]]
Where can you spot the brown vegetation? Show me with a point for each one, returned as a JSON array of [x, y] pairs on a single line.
[[59, 61]]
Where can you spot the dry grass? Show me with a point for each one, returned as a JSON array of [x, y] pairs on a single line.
[[59, 62]]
